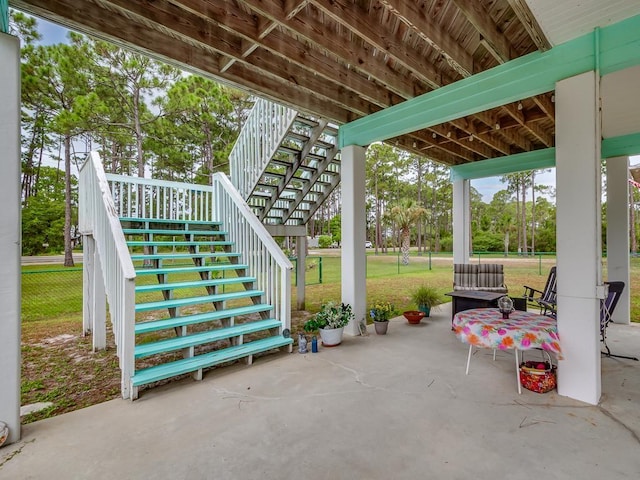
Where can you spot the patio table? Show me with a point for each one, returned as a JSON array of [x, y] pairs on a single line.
[[485, 328]]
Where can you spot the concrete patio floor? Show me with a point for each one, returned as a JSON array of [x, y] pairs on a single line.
[[395, 407]]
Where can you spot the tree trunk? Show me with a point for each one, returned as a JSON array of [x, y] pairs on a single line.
[[533, 212], [524, 217], [518, 233], [632, 221], [406, 244], [68, 251]]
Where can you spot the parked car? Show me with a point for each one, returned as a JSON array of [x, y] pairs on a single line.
[[368, 244]]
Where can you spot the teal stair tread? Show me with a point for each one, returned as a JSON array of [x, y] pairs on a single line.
[[182, 243], [154, 287], [182, 302], [205, 268], [186, 365], [169, 221], [200, 338], [181, 256], [166, 323], [170, 232]]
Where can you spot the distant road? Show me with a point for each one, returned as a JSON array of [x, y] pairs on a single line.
[[49, 259]]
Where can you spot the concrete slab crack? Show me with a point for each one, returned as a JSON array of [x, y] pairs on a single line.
[[8, 458], [607, 413]]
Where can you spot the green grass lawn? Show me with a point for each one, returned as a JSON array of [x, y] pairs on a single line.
[[55, 292]]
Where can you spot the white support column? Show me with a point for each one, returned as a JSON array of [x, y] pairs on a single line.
[[10, 229], [301, 253], [578, 236], [99, 305], [354, 281], [461, 222], [618, 233]]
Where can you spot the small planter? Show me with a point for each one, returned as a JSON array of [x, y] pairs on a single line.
[[425, 309], [331, 337], [414, 317], [381, 327], [4, 433]]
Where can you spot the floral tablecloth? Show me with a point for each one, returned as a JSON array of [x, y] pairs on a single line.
[[485, 327]]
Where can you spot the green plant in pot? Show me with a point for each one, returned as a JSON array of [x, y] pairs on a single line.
[[330, 322], [380, 313], [425, 297]]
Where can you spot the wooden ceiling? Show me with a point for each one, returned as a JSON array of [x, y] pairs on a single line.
[[339, 59]]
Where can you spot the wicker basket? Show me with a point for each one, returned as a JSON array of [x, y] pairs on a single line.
[[537, 379]]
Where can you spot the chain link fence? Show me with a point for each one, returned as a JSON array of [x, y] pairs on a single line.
[[51, 293]]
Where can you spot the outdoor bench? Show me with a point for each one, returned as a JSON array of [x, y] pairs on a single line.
[[488, 277]]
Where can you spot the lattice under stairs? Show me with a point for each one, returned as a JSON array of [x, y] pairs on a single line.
[[287, 173], [195, 305]]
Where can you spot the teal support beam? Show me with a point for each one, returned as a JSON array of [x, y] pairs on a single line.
[[621, 146], [521, 78], [535, 160], [4, 16]]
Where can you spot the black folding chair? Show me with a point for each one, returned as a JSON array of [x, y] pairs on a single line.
[[606, 310], [544, 299]]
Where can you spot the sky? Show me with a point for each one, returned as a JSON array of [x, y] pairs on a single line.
[[52, 34]]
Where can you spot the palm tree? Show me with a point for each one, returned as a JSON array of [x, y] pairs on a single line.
[[405, 215]]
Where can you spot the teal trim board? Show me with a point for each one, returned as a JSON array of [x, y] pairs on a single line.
[[621, 146], [4, 16], [521, 78], [535, 160]]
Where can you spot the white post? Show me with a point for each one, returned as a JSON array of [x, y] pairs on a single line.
[[99, 305], [461, 221], [578, 236], [618, 233], [301, 253], [10, 229], [354, 281]]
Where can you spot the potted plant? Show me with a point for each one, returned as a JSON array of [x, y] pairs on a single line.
[[425, 297], [380, 313], [330, 322]]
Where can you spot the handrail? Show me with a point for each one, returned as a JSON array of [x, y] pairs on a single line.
[[98, 218], [259, 139], [266, 260]]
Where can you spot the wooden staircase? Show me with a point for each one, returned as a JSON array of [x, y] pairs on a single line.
[[195, 307], [289, 173]]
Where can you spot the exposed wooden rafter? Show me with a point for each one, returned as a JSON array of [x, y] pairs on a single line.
[[338, 59]]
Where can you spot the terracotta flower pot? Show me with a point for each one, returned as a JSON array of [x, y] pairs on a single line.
[[413, 316], [381, 327]]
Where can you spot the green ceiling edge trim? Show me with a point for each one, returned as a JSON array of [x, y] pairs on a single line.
[[534, 160], [621, 146], [4, 16], [523, 77]]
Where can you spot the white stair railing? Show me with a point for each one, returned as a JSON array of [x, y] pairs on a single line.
[[98, 219], [267, 262], [220, 202], [258, 141], [137, 197]]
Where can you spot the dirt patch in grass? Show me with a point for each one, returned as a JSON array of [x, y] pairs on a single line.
[[58, 366]]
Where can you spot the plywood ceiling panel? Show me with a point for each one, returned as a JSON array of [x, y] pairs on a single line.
[[567, 19]]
